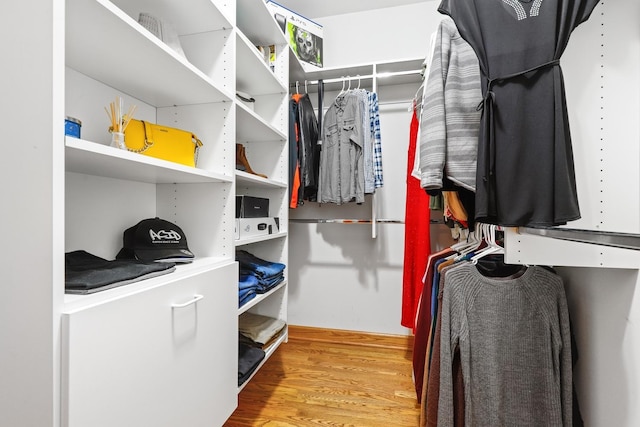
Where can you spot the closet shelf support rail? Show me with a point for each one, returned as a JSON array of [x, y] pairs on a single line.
[[380, 75], [602, 238], [344, 221], [351, 221]]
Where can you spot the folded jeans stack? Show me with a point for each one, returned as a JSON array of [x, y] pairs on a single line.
[[257, 276]]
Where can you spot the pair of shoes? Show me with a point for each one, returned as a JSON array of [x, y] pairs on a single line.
[[242, 163]]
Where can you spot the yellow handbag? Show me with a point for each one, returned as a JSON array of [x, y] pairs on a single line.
[[162, 142]]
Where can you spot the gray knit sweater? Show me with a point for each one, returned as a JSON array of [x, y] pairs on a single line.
[[515, 348], [450, 120]]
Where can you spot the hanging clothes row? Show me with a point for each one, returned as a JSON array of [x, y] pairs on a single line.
[[336, 158], [442, 153], [351, 156], [510, 141], [493, 341], [525, 174]]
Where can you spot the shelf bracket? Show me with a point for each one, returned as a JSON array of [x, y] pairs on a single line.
[[602, 238]]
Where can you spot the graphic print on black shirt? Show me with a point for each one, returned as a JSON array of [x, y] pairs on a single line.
[[517, 10]]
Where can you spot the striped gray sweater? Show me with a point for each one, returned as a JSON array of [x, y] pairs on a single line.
[[450, 122], [515, 348]]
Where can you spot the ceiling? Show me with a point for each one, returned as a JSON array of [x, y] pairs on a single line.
[[319, 8]]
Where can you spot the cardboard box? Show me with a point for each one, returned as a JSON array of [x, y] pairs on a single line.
[[303, 35], [254, 227], [252, 207]]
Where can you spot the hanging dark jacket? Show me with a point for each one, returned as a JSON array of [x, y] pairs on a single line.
[[308, 140]]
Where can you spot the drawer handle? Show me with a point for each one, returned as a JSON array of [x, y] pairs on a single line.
[[193, 300]]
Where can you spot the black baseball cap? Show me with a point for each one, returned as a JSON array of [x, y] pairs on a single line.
[[155, 239]]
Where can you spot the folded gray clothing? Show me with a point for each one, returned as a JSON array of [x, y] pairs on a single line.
[[259, 328], [87, 273]]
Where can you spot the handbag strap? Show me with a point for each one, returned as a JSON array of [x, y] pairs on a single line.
[[148, 139]]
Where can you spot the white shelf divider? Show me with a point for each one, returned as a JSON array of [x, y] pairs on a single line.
[[257, 23], [260, 297], [254, 128], [114, 41], [257, 181], [253, 74], [91, 158], [243, 242]]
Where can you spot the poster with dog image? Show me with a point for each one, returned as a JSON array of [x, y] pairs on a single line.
[[303, 35]]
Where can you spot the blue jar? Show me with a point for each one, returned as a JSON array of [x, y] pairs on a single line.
[[72, 126]]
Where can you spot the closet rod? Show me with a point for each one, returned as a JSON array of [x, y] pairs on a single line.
[[602, 238], [352, 221], [345, 221], [403, 102], [368, 76]]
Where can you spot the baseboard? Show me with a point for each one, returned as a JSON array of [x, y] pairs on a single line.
[[339, 336]]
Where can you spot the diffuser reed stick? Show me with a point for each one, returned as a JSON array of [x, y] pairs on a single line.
[[119, 121]]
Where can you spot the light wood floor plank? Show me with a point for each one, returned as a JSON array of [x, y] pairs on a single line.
[[332, 378]]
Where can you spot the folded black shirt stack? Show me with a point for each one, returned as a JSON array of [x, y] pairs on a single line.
[[86, 273], [248, 360]]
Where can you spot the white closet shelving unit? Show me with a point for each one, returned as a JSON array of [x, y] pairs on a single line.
[[263, 131], [162, 351]]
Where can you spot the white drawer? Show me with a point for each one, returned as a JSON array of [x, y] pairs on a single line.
[[163, 357]]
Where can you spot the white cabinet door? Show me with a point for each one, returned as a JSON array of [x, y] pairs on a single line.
[[163, 357]]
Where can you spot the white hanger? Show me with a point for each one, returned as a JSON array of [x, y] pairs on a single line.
[[417, 98], [471, 244], [474, 244], [342, 90], [306, 89], [297, 87], [418, 91], [473, 240], [492, 246]]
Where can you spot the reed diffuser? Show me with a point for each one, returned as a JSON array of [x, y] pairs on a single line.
[[119, 121]]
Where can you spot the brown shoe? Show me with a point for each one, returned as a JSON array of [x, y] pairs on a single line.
[[242, 163]]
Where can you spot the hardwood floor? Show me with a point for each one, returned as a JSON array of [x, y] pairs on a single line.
[[332, 378]]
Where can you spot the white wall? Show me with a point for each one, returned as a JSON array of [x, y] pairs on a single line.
[[605, 314], [339, 277], [379, 35]]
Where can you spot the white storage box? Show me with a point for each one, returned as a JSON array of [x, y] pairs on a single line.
[[254, 227]]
